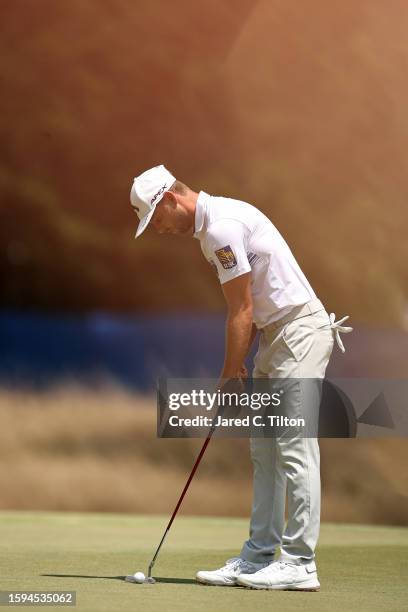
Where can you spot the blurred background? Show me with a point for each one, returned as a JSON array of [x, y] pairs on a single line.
[[298, 108]]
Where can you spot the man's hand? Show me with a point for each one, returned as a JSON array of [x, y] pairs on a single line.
[[243, 372], [236, 384], [231, 385]]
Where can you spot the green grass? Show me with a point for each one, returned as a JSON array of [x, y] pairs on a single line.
[[360, 567]]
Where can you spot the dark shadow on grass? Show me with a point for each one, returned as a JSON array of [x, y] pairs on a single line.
[[84, 576], [158, 579], [176, 580]]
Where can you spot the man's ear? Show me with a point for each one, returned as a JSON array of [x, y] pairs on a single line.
[[171, 198]]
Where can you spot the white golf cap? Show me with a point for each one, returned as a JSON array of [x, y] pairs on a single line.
[[147, 191]]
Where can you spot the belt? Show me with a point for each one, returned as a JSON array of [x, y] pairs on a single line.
[[305, 310]]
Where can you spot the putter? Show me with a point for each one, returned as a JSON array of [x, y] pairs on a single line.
[[149, 578], [141, 579]]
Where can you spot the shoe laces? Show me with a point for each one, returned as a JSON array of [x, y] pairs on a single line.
[[275, 566], [235, 563]]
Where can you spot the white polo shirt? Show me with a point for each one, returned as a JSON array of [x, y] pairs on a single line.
[[237, 238]]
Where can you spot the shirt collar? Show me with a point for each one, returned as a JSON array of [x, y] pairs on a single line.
[[201, 214]]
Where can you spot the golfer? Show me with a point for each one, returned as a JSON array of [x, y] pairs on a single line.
[[265, 290]]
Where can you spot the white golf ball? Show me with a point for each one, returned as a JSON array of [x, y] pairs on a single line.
[[139, 577]]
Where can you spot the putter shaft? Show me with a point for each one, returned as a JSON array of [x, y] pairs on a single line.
[[190, 478]]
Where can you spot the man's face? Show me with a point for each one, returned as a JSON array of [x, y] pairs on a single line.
[[170, 217]]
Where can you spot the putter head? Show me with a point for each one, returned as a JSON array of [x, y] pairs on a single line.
[[149, 577], [147, 580]]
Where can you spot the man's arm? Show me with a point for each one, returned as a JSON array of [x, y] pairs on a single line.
[[239, 324], [243, 373], [254, 331]]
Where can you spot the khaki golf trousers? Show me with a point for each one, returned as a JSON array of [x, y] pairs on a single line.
[[297, 346]]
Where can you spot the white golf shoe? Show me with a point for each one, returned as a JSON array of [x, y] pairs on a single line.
[[228, 574], [282, 576]]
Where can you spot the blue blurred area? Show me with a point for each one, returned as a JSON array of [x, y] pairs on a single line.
[[39, 350]]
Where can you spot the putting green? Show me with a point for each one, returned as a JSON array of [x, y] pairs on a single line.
[[360, 567]]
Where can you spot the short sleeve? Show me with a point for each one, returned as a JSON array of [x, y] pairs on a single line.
[[225, 249]]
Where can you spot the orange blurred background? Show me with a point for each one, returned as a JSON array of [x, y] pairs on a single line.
[[298, 108]]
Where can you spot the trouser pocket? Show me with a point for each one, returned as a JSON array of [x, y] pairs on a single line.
[[299, 337]]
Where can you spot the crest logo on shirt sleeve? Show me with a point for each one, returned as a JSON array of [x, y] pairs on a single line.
[[226, 257]]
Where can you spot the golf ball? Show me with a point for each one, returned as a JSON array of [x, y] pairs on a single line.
[[139, 577]]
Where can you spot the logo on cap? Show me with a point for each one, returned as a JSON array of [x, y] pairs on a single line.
[[156, 195]]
